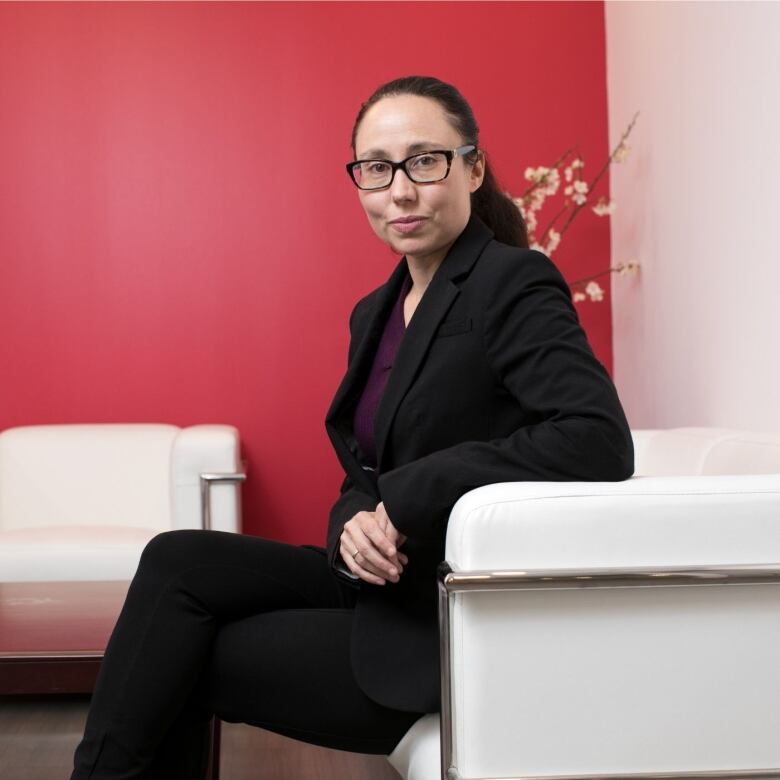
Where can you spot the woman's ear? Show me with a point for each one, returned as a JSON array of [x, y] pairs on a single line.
[[477, 173]]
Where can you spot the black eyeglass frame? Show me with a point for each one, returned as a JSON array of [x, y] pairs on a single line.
[[449, 154]]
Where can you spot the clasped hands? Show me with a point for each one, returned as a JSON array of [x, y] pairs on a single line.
[[369, 547]]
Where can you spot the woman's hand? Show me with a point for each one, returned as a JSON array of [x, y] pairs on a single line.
[[369, 547], [391, 532]]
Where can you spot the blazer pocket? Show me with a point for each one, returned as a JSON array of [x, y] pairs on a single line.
[[453, 327]]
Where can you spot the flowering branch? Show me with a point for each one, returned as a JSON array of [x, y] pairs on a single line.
[[588, 287], [546, 181]]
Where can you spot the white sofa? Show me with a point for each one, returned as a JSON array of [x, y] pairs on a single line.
[[638, 635], [79, 502]]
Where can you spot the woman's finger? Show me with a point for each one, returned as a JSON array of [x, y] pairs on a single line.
[[357, 569], [386, 524], [365, 546], [373, 530], [361, 560], [399, 560], [369, 567]]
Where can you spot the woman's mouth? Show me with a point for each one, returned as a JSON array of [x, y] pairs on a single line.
[[408, 227]]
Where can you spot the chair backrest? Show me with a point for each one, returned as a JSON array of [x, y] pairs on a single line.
[[704, 451], [86, 474]]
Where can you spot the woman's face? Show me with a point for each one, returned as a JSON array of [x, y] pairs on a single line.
[[390, 129]]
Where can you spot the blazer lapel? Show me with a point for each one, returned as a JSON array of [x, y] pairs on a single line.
[[433, 306], [338, 420]]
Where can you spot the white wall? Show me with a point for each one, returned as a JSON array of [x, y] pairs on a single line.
[[697, 335]]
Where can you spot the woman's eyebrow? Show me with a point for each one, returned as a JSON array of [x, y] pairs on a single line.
[[415, 147]]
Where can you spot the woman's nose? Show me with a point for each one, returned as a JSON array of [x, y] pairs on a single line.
[[402, 186]]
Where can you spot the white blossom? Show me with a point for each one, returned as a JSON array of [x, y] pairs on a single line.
[[579, 188], [580, 192], [621, 152], [553, 239], [529, 215], [578, 163], [629, 268], [537, 198], [594, 290], [604, 207], [567, 172], [536, 174], [552, 180], [548, 179], [578, 296]]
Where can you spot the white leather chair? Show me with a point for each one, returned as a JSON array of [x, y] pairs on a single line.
[[80, 502], [638, 633]]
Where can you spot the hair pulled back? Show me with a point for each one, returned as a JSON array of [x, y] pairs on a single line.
[[489, 202]]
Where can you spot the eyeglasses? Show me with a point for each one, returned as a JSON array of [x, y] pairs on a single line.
[[421, 168]]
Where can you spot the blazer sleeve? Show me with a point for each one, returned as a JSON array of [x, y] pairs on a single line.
[[351, 499], [350, 502], [538, 351]]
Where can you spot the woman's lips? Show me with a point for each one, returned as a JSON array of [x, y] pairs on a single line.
[[407, 227]]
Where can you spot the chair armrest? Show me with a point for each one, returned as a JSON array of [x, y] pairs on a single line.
[[676, 521], [612, 678], [207, 482], [206, 472]]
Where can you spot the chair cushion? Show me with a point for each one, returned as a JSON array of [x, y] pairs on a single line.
[[79, 552], [418, 755]]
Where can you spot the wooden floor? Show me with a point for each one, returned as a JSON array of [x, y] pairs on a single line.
[[38, 737]]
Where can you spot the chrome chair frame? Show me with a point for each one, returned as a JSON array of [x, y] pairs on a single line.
[[206, 481], [451, 582]]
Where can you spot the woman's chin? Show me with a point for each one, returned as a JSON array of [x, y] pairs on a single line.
[[403, 244]]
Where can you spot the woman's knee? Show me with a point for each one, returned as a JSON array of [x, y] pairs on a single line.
[[171, 550]]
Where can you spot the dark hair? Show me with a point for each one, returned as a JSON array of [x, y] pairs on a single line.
[[489, 202]]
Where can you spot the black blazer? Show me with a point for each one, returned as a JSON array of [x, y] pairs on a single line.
[[494, 381]]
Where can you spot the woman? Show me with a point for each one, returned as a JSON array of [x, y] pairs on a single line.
[[467, 367]]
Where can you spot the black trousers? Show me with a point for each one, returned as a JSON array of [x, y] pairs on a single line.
[[252, 630]]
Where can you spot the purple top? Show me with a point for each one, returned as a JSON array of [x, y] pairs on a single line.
[[365, 411]]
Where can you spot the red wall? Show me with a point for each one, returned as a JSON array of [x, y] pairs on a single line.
[[179, 241]]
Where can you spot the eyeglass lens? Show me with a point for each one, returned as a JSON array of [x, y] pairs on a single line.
[[371, 174]]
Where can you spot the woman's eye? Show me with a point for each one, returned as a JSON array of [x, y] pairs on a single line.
[[424, 161]]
